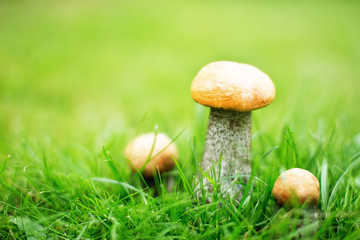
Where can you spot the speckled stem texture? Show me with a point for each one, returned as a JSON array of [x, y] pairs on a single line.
[[228, 136]]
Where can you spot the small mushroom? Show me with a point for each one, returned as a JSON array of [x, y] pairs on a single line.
[[231, 90], [150, 153], [298, 187], [295, 187]]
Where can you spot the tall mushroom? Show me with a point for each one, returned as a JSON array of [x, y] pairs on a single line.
[[151, 153], [231, 90]]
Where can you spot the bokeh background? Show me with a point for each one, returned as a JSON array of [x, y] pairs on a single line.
[[77, 75]]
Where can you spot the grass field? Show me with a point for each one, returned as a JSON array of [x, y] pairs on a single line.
[[80, 79]]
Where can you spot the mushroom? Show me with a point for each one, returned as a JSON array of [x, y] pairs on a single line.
[[295, 187], [151, 153], [298, 187], [231, 90]]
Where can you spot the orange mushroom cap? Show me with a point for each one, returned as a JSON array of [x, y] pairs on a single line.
[[234, 86], [296, 186], [162, 153]]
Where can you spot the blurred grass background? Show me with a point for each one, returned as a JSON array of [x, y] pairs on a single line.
[[77, 75]]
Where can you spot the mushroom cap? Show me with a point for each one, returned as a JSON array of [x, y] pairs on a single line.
[[296, 186], [138, 151], [234, 86]]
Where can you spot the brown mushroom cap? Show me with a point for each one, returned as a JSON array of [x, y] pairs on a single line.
[[296, 186], [138, 151], [233, 86]]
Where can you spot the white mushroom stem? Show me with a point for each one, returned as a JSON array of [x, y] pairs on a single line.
[[228, 137]]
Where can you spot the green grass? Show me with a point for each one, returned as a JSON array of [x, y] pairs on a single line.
[[79, 80]]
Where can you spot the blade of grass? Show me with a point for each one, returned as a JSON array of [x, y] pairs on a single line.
[[125, 185], [211, 180], [355, 159], [148, 159], [183, 178], [324, 186], [112, 166], [141, 123], [249, 183], [3, 164], [291, 142]]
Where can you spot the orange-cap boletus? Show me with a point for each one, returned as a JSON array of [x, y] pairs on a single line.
[[296, 186], [151, 153], [231, 90]]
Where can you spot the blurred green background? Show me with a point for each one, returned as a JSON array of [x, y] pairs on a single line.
[[77, 75]]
